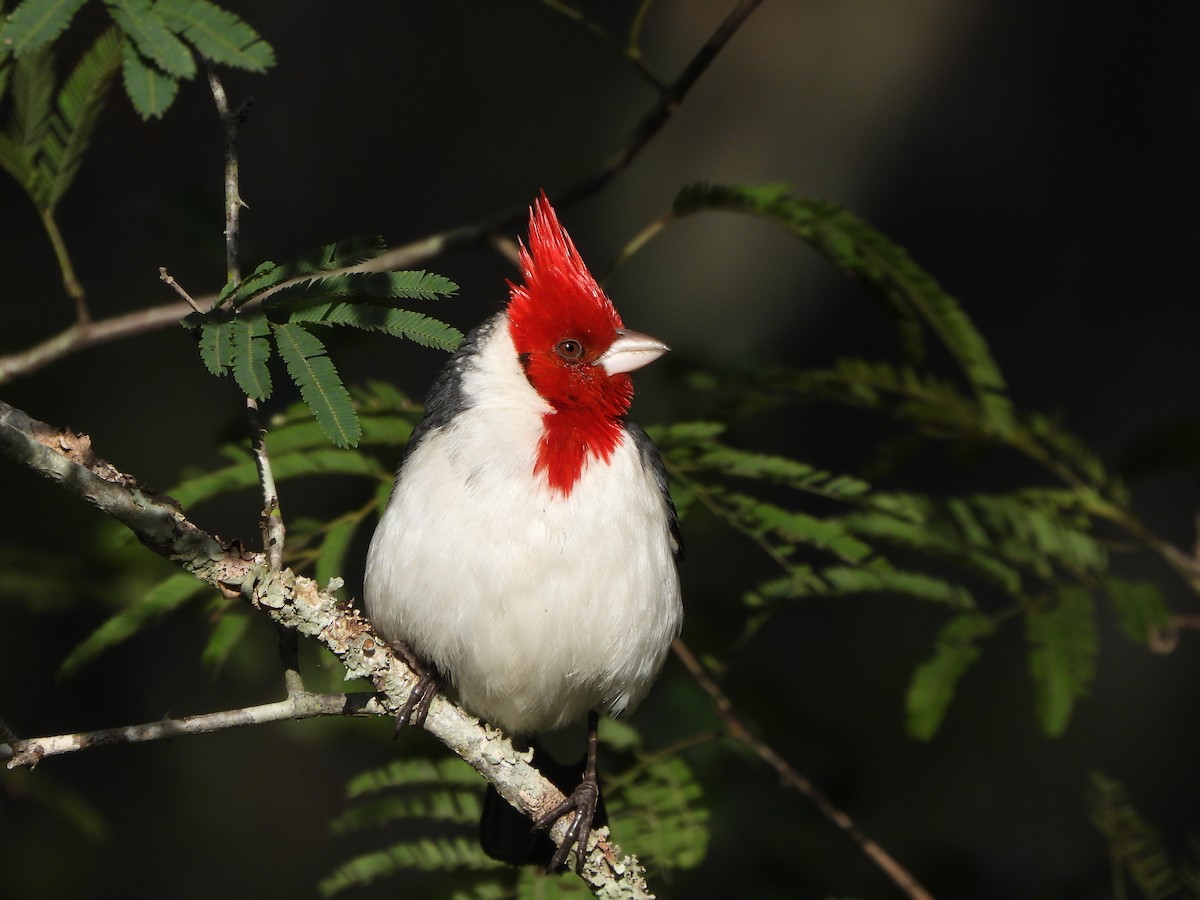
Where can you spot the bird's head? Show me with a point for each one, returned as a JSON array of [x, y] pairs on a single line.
[[573, 348]]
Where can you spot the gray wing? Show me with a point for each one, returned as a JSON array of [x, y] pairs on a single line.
[[652, 461]]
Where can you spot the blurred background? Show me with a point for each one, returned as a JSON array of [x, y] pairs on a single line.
[[1038, 158]]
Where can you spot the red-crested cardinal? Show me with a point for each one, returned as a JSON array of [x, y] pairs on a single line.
[[528, 551]]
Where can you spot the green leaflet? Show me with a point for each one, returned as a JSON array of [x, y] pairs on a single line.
[[226, 633], [34, 24], [933, 683], [155, 42], [217, 33], [216, 345], [80, 103], [251, 350], [150, 91], [1062, 655], [33, 97], [167, 595], [405, 323], [313, 371], [1140, 609]]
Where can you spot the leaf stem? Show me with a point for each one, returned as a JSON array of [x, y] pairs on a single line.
[[71, 283]]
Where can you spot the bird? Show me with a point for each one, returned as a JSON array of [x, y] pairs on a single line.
[[528, 553]]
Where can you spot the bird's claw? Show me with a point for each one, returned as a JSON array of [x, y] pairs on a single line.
[[582, 802], [416, 707]]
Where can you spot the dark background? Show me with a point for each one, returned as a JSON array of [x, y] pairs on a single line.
[[1038, 158]]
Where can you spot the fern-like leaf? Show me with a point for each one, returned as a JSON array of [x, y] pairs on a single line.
[[314, 373], [340, 254], [152, 92], [659, 808], [403, 323], [1141, 612], [423, 854], [217, 33], [33, 24], [157, 43], [1134, 845], [251, 350], [1062, 655], [462, 807], [866, 254], [33, 99], [226, 633], [402, 773], [167, 595], [934, 682], [408, 285], [243, 475], [79, 105]]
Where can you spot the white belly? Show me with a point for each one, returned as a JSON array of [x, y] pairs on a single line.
[[538, 607]]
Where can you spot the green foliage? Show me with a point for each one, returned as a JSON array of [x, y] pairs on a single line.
[[861, 251], [283, 303], [168, 595], [33, 25], [158, 41], [49, 130], [1135, 847], [1062, 656], [1037, 553], [655, 804], [932, 686], [313, 371]]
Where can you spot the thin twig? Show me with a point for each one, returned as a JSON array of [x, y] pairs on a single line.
[[900, 876], [299, 706], [178, 288], [230, 121], [273, 529]]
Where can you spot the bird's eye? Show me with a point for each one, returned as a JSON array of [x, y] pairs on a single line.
[[569, 349]]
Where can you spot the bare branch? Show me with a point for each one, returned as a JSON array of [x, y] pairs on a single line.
[[298, 603], [298, 706], [900, 876], [178, 288]]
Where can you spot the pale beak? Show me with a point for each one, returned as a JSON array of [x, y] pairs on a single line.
[[631, 350]]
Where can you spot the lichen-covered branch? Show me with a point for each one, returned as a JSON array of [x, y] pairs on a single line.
[[297, 602]]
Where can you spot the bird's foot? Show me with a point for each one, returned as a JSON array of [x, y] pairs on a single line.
[[416, 707], [582, 803]]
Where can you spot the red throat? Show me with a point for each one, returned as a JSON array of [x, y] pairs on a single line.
[[561, 321]]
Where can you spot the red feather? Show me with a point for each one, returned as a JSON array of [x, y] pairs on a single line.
[[560, 301]]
